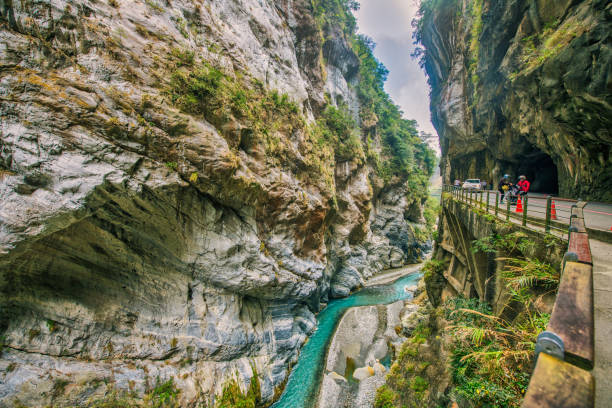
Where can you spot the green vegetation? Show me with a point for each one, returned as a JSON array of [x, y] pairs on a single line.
[[407, 382], [539, 47], [164, 395], [51, 325], [475, 31], [522, 275], [338, 128], [432, 268], [491, 357], [384, 397], [154, 6], [232, 396], [431, 213], [515, 243], [201, 89], [336, 13]]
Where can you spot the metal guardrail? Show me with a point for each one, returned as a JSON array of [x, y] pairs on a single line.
[[539, 212], [565, 351]]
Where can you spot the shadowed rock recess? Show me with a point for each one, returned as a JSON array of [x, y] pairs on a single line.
[[182, 184], [522, 87]]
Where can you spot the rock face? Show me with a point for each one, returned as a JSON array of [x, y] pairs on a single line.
[[145, 234], [523, 87]]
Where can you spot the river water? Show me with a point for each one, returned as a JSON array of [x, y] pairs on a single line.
[[305, 379]]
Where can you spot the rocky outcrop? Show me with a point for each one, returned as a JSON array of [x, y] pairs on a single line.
[[155, 225], [522, 87]]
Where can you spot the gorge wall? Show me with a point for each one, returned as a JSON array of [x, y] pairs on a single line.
[[522, 87], [182, 184]]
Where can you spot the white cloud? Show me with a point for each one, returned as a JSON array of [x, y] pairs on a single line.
[[391, 18]]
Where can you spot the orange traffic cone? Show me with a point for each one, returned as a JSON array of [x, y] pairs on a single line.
[[553, 211], [519, 205]]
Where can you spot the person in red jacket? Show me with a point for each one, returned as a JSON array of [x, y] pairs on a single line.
[[523, 184]]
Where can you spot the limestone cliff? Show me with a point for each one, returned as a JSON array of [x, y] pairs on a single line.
[[182, 184], [522, 87]]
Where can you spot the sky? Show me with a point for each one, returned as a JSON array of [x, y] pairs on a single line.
[[388, 23]]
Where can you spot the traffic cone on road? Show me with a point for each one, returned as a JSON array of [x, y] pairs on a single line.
[[553, 211], [519, 205]]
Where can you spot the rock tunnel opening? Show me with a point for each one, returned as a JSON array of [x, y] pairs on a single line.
[[541, 171]]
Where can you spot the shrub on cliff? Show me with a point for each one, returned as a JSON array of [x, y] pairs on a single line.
[[491, 358], [408, 155], [404, 154], [164, 395]]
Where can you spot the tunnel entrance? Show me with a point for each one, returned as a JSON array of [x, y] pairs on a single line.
[[541, 171]]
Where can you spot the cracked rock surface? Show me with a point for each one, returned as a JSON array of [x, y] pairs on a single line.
[[138, 241]]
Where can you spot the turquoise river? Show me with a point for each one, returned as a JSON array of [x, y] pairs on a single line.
[[303, 385]]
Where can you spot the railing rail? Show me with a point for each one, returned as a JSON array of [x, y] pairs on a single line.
[[536, 212], [565, 351]]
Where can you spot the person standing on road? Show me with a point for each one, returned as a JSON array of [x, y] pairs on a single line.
[[483, 185], [524, 185], [504, 186], [457, 183]]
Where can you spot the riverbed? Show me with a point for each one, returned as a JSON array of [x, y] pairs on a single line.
[[305, 379]]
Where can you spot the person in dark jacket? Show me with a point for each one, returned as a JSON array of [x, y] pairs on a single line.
[[524, 185], [504, 186]]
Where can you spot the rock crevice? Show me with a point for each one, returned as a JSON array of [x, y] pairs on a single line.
[[146, 233]]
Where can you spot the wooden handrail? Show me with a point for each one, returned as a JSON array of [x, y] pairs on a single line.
[[565, 351]]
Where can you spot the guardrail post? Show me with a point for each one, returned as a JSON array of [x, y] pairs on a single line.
[[525, 203], [496, 202], [487, 205], [507, 208], [547, 223]]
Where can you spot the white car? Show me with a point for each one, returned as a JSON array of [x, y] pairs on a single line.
[[472, 184]]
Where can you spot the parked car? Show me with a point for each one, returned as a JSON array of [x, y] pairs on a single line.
[[472, 184]]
